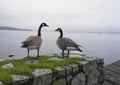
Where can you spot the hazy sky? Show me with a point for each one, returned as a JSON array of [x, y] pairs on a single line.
[[82, 15]]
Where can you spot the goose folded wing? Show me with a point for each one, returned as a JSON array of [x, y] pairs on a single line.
[[29, 40], [70, 43]]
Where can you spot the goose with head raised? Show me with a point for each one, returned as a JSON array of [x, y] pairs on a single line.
[[34, 42], [66, 43]]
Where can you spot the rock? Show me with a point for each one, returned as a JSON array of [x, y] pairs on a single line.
[[108, 83], [89, 68], [11, 55], [19, 77], [55, 59], [32, 62], [86, 67], [60, 82], [75, 67], [79, 79], [20, 80], [40, 72], [68, 69], [1, 83], [42, 76], [9, 65], [76, 54], [112, 77], [60, 71], [84, 72]]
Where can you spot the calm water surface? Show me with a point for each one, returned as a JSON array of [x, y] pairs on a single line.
[[95, 44]]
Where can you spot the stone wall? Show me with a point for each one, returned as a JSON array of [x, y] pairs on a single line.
[[88, 72]]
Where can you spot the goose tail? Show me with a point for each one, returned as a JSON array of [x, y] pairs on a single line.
[[79, 50]]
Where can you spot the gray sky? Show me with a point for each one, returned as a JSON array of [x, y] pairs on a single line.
[[82, 15]]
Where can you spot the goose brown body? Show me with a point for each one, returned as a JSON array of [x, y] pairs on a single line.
[[66, 43], [34, 42]]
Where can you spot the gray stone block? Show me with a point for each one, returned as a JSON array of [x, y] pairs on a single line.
[[42, 76], [20, 80], [60, 70], [9, 65], [79, 79], [40, 72], [19, 77], [74, 67], [68, 69], [60, 82]]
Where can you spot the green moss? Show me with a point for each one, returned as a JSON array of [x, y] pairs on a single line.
[[26, 69], [5, 76]]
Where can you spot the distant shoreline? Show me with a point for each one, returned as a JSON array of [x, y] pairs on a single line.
[[12, 28], [94, 32], [19, 29]]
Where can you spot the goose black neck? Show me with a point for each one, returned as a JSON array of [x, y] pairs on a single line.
[[61, 34], [39, 30]]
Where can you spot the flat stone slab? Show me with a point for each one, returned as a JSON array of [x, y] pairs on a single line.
[[9, 65], [90, 58], [61, 71], [41, 72], [112, 73], [75, 67], [112, 77], [114, 68], [82, 62], [19, 77], [56, 59], [76, 54], [32, 62], [68, 69], [117, 63]]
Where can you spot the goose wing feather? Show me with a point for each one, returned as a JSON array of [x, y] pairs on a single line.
[[66, 42], [32, 40]]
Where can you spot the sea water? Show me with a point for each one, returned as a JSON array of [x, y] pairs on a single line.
[[102, 45]]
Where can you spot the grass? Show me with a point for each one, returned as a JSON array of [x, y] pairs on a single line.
[[26, 69]]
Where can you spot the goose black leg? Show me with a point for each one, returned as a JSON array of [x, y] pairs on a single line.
[[37, 52], [68, 53], [28, 53], [62, 53]]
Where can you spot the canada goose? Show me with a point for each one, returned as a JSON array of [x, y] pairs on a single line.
[[34, 42], [66, 43]]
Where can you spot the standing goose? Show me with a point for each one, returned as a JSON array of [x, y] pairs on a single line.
[[66, 43], [34, 42]]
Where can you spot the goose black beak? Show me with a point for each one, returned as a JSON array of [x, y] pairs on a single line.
[[56, 30], [47, 25]]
